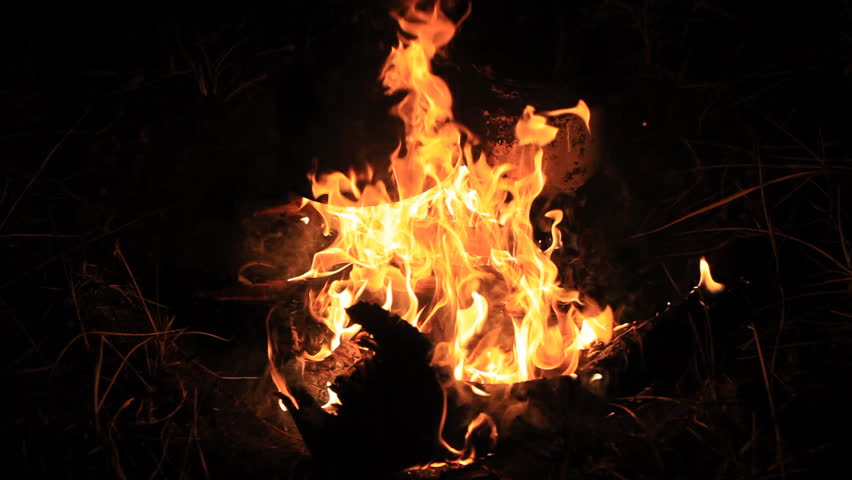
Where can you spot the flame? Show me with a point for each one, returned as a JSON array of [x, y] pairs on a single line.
[[480, 420], [333, 400], [447, 243], [706, 279]]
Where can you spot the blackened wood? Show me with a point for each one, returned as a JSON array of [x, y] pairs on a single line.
[[391, 410], [392, 400], [696, 335]]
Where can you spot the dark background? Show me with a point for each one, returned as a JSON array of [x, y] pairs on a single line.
[[160, 135]]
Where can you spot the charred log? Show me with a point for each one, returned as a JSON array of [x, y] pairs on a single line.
[[685, 343], [392, 401], [391, 404]]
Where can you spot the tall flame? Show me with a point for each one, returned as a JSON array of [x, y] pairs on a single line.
[[447, 244]]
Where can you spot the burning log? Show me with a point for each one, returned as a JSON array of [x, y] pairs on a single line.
[[393, 414], [446, 243], [390, 407], [696, 334]]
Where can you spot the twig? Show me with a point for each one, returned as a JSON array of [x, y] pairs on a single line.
[[245, 85], [218, 66], [779, 451], [770, 230], [97, 382], [213, 79], [843, 246], [128, 295], [38, 235], [635, 398], [195, 434], [84, 244], [73, 289], [280, 430], [795, 139], [641, 425], [813, 247], [124, 334], [154, 421], [117, 252], [41, 168], [724, 201], [221, 377], [630, 412], [165, 444], [781, 321], [124, 360], [792, 192], [669, 276], [122, 408], [129, 365], [790, 166], [161, 332], [4, 192]]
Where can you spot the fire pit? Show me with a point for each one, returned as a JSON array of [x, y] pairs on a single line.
[[433, 312]]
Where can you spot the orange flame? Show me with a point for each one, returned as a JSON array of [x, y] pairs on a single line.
[[706, 279], [447, 244], [333, 400]]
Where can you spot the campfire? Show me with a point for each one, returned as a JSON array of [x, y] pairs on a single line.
[[446, 242], [434, 263], [542, 240]]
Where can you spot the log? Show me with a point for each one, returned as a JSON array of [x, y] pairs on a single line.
[[391, 405], [696, 335], [393, 400]]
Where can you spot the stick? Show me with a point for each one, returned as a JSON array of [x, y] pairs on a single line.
[[41, 168]]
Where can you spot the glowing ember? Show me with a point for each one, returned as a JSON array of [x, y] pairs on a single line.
[[447, 243], [706, 279]]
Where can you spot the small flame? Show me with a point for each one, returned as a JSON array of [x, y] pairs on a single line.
[[467, 454], [706, 279], [333, 400], [478, 391]]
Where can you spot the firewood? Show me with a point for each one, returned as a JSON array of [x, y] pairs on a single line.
[[391, 404], [392, 400], [698, 334]]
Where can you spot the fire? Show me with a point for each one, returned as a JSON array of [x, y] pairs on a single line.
[[706, 279], [446, 243], [333, 399]]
